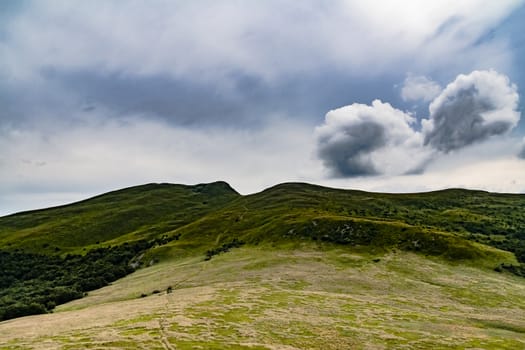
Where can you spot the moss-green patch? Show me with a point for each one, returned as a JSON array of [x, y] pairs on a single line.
[[135, 320], [135, 331], [236, 315], [502, 325]]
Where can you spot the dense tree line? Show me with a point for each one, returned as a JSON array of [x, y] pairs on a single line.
[[35, 283]]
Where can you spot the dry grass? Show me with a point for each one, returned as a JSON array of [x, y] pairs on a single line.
[[289, 299]]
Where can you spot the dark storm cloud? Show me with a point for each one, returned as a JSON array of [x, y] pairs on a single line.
[[178, 101], [359, 140], [379, 139], [459, 122], [348, 155], [470, 110]]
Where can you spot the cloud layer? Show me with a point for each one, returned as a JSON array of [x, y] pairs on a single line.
[[209, 38], [361, 140], [231, 62]]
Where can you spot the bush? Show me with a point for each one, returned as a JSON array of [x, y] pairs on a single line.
[[235, 243], [22, 309]]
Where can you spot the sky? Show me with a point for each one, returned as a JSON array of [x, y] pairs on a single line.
[[398, 96]]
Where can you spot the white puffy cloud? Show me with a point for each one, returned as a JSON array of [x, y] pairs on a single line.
[[471, 109], [380, 140], [365, 140], [419, 88]]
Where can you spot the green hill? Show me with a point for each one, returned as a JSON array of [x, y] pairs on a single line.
[[130, 214], [55, 255], [284, 212], [450, 223], [296, 266]]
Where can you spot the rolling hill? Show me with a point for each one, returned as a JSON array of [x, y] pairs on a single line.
[[247, 257], [284, 212], [121, 216]]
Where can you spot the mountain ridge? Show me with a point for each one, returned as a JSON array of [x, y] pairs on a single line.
[[154, 209], [283, 185], [53, 256]]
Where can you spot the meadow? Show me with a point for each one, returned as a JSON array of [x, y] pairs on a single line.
[[294, 297]]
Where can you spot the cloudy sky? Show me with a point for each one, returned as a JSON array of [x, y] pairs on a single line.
[[394, 96]]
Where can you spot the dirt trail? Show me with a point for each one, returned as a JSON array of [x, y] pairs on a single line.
[[164, 323]]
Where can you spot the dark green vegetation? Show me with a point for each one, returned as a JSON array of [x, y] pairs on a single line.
[[131, 214], [235, 243], [35, 283], [54, 255], [51, 256]]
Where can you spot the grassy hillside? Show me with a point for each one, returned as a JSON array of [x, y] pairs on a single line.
[[51, 256], [130, 214], [449, 223], [314, 296], [58, 254], [213, 213]]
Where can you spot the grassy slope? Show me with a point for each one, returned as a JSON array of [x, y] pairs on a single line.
[[116, 217], [443, 223], [314, 296], [416, 222], [290, 287]]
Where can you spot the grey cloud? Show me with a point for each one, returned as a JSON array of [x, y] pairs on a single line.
[[179, 101], [360, 140], [63, 94], [236, 100], [459, 122], [470, 110], [348, 156], [379, 139]]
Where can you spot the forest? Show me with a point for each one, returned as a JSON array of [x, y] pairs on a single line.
[[35, 283]]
